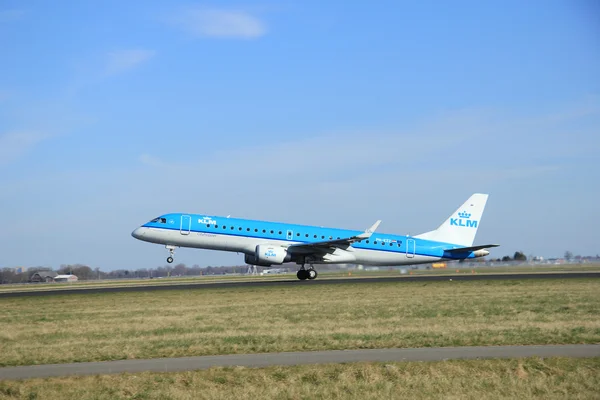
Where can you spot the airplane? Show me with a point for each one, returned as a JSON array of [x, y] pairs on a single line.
[[269, 244]]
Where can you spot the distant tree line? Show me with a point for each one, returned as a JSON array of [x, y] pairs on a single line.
[[177, 270], [518, 256], [84, 272]]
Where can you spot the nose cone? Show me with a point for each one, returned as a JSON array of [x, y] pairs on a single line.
[[138, 233]]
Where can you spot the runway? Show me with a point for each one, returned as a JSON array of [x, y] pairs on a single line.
[[298, 358], [289, 282]]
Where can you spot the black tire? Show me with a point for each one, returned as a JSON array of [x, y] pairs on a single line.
[[170, 260], [312, 274], [302, 274]]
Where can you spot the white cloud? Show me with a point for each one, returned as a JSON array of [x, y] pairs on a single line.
[[210, 22], [15, 144], [124, 60], [372, 151]]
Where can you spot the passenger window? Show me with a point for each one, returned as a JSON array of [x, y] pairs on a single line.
[[216, 226], [264, 231], [232, 228], [224, 227], [322, 237], [240, 228], [297, 234], [271, 232], [280, 232], [208, 225], [255, 230], [367, 241], [306, 235], [391, 244], [248, 229], [315, 236]]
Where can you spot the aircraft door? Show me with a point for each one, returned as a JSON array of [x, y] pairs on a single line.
[[186, 224], [290, 235], [410, 248]]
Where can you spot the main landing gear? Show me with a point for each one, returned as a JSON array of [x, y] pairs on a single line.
[[304, 274], [171, 253]]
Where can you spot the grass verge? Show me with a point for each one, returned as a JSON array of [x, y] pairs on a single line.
[[530, 378], [112, 326]]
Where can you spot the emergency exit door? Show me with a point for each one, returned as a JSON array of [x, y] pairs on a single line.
[[410, 248], [186, 225]]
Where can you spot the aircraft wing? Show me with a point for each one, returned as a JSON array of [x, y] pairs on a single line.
[[331, 244], [472, 248]]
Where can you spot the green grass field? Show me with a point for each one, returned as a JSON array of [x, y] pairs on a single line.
[[532, 378], [73, 328]]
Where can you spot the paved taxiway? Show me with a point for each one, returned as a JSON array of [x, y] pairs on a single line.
[[298, 358], [326, 281]]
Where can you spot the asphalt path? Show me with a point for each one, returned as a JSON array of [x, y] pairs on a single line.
[[298, 358], [357, 280]]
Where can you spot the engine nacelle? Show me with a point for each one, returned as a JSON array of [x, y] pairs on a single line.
[[252, 260], [266, 255], [481, 253]]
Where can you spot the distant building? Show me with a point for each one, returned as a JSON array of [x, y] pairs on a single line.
[[371, 268], [43, 276], [20, 270], [65, 278], [274, 271]]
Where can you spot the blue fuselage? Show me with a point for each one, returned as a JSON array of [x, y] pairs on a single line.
[[242, 235]]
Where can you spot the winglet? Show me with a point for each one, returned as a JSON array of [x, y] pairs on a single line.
[[367, 234]]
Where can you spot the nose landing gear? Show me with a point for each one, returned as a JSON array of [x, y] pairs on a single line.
[[171, 253]]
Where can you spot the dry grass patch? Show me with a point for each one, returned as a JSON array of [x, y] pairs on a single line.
[[74, 328], [532, 378]]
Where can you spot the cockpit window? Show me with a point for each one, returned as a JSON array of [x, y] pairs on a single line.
[[155, 220], [160, 220]]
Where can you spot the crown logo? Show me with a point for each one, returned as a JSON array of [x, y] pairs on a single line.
[[464, 214]]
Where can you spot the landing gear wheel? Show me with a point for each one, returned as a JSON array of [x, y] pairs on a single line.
[[312, 274], [171, 253], [302, 274]]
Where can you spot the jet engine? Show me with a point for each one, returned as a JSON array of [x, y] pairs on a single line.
[[267, 255]]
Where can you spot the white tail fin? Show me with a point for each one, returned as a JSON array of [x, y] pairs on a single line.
[[462, 225]]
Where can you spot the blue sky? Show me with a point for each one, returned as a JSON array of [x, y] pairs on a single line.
[[334, 114]]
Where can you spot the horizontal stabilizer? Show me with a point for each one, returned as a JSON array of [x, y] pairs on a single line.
[[471, 248]]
